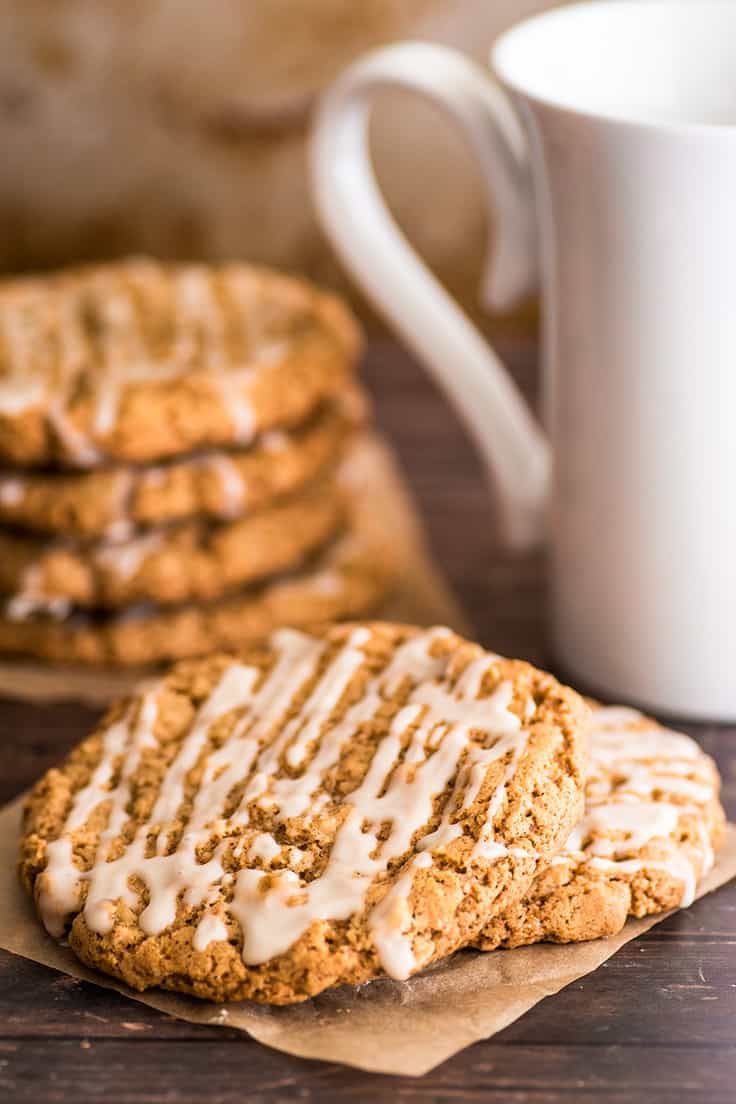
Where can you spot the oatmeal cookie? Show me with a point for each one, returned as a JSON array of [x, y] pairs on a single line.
[[652, 821], [183, 562], [113, 502], [326, 808], [137, 360], [352, 578]]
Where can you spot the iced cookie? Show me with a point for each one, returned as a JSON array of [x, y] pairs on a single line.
[[184, 562], [352, 578], [652, 821], [324, 809], [112, 502], [136, 361]]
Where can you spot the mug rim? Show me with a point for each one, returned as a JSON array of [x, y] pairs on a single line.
[[512, 37]]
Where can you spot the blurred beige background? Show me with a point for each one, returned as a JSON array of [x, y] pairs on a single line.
[[179, 127]]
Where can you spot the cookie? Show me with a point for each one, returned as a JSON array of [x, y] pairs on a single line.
[[113, 502], [325, 809], [652, 821], [352, 578], [136, 361], [184, 562]]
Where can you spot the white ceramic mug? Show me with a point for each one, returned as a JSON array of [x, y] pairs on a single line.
[[621, 122]]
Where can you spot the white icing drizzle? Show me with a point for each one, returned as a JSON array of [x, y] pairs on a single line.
[[198, 309], [676, 865], [18, 394], [59, 887], [638, 823], [31, 599], [121, 528], [126, 359], [12, 490], [642, 780], [196, 313], [76, 444], [264, 847], [118, 531], [113, 382], [232, 484], [124, 559], [328, 583], [52, 332], [275, 440], [211, 929], [432, 741], [21, 389], [392, 917], [272, 352], [231, 387]]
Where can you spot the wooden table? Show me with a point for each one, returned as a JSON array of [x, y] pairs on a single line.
[[657, 1023]]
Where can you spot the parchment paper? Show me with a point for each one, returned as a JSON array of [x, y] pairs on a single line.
[[383, 506], [386, 1026]]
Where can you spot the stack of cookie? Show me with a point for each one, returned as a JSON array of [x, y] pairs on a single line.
[[171, 440]]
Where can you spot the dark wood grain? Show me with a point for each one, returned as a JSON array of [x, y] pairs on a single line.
[[655, 1024]]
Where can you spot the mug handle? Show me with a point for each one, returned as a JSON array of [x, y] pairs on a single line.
[[375, 251]]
